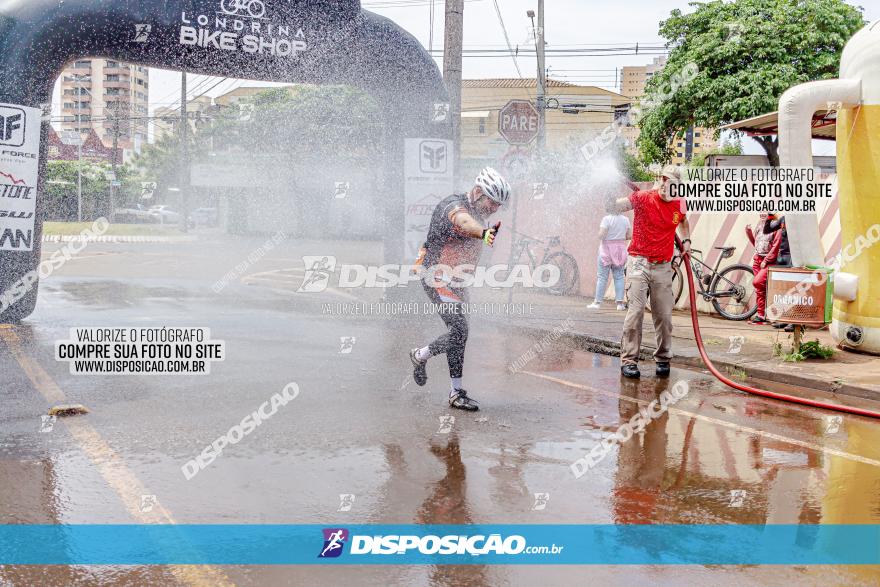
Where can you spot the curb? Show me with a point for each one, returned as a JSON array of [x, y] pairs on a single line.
[[606, 346], [69, 238]]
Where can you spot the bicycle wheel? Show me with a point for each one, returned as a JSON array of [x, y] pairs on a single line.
[[677, 284], [517, 258], [735, 295], [256, 8], [569, 274]]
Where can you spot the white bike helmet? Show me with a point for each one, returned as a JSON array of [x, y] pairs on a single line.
[[493, 185]]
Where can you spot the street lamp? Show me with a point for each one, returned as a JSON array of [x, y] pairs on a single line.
[[541, 80], [79, 142]]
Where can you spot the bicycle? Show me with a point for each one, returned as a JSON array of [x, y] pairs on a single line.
[[733, 284], [255, 8], [554, 254]]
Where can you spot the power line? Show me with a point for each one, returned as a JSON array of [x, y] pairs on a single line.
[[637, 49], [196, 89], [439, 55], [176, 92], [510, 50], [190, 93], [194, 97], [169, 126], [579, 45], [403, 3]]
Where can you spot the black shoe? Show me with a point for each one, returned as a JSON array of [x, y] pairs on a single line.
[[662, 370], [789, 328], [631, 371], [779, 325], [461, 401], [419, 374]]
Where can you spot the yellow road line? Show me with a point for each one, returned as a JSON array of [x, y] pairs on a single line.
[[716, 421], [109, 464]]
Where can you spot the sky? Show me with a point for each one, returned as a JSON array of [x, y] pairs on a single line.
[[568, 23]]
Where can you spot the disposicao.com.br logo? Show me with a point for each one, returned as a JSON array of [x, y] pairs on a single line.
[[334, 540], [319, 270]]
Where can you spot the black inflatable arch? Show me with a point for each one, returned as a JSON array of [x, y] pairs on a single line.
[[306, 41]]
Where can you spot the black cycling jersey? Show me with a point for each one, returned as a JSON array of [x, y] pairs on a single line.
[[445, 244]]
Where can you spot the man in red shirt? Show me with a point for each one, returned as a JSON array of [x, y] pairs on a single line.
[[656, 217]]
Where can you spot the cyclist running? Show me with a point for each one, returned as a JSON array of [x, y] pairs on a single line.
[[455, 238]]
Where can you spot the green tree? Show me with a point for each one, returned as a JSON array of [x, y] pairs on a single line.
[[632, 168], [61, 188], [303, 122], [63, 174], [733, 147], [747, 53], [160, 161]]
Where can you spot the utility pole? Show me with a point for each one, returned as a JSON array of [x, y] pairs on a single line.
[[79, 173], [114, 162], [184, 155], [79, 188], [431, 31], [452, 45], [542, 79]]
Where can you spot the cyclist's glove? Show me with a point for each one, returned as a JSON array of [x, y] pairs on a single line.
[[489, 234]]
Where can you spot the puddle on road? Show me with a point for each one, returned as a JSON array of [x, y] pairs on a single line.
[[681, 469]]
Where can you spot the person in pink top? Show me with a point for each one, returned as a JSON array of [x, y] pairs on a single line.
[[614, 232]]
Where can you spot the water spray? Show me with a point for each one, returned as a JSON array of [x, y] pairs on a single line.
[[605, 171]]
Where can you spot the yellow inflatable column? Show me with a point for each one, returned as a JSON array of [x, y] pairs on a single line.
[[856, 324]]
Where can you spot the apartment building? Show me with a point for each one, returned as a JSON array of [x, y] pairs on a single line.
[[697, 140], [167, 120], [109, 97]]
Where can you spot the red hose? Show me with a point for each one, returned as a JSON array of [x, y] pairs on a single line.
[[746, 388]]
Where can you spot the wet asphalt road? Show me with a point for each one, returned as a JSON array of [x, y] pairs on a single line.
[[361, 427]]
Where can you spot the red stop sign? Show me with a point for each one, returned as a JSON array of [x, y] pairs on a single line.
[[518, 122]]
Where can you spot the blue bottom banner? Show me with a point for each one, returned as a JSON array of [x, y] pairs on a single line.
[[259, 544]]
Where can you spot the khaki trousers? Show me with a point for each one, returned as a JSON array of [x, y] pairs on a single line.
[[643, 277]]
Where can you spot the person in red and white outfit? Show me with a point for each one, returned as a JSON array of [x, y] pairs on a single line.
[[614, 232], [763, 244]]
